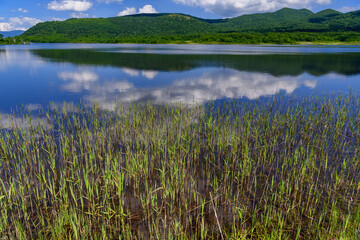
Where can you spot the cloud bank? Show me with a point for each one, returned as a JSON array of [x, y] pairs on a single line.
[[132, 10], [70, 5], [231, 8], [18, 23]]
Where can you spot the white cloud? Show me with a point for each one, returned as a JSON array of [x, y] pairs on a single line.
[[132, 10], [109, 1], [70, 5], [349, 9], [147, 9], [79, 15], [229, 8], [127, 11], [17, 23], [323, 2], [6, 27], [23, 10]]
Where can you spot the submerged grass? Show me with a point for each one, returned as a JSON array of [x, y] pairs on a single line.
[[281, 169]]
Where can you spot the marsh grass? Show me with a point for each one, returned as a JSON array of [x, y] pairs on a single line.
[[279, 169]]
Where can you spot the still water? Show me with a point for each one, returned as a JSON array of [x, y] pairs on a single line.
[[39, 74]]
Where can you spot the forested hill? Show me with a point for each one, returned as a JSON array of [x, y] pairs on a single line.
[[91, 29], [166, 25]]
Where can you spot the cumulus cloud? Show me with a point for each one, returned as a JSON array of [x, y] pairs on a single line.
[[349, 9], [229, 8], [6, 27], [132, 10], [127, 11], [17, 23], [70, 5], [147, 9]]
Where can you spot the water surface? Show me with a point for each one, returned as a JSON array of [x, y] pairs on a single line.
[[36, 75]]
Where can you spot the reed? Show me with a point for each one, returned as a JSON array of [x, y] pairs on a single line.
[[285, 168]]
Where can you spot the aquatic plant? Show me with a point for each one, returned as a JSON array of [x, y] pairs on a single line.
[[273, 169]]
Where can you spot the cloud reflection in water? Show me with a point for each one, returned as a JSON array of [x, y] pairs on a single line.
[[212, 85], [78, 80], [16, 58], [149, 74]]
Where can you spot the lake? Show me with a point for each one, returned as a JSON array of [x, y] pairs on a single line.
[[33, 76]]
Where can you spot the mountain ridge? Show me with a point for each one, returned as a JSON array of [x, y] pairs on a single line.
[[168, 24], [11, 33]]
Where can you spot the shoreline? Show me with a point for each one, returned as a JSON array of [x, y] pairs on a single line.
[[209, 43]]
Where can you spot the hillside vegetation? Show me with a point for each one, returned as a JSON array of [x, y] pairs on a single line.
[[282, 26]]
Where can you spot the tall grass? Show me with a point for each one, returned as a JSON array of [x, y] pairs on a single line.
[[281, 169]]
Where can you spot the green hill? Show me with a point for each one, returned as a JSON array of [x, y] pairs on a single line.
[[168, 27], [324, 15], [88, 29], [264, 22]]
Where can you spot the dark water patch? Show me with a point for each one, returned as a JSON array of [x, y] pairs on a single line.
[[274, 64]]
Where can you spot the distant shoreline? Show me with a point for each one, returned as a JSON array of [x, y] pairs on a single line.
[[208, 43]]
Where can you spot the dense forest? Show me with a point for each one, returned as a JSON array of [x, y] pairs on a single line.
[[11, 40], [286, 26]]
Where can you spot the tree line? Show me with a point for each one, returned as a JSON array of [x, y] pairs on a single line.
[[209, 38]]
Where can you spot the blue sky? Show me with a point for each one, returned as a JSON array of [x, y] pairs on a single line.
[[22, 14]]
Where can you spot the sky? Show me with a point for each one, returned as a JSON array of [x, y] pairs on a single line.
[[22, 14]]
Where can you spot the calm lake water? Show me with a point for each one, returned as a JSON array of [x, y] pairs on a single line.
[[34, 76]]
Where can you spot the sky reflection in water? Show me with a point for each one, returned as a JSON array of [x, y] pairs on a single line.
[[33, 76]]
